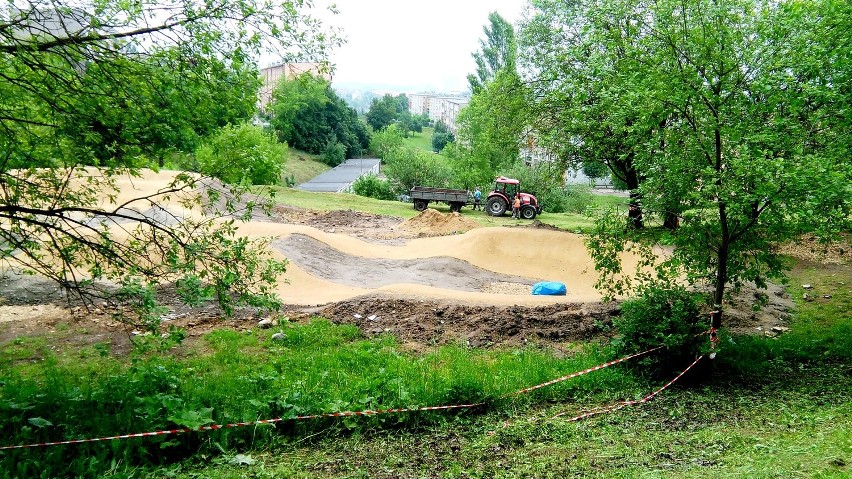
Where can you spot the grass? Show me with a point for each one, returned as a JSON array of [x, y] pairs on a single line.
[[235, 376], [344, 201], [765, 408], [421, 140], [303, 166]]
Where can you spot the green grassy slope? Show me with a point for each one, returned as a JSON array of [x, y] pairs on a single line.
[[303, 166], [421, 140]]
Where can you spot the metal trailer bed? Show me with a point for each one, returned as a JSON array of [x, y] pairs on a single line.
[[422, 195]]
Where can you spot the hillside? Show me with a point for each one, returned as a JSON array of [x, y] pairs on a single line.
[[302, 166]]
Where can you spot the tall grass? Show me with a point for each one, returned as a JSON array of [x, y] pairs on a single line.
[[235, 376]]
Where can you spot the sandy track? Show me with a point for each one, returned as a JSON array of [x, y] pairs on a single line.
[[323, 266], [329, 266], [421, 279]]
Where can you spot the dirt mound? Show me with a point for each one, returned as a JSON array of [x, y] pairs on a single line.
[[434, 223], [366, 226], [809, 248], [539, 225], [431, 322]]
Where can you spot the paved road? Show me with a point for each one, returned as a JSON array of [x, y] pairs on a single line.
[[339, 178]]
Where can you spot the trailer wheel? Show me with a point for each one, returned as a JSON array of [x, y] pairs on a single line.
[[455, 207], [496, 206], [420, 205], [528, 212]]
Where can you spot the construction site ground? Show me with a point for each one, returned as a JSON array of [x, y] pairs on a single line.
[[432, 279]]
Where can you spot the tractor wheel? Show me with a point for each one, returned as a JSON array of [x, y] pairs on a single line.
[[420, 205], [496, 206], [455, 207], [528, 212]]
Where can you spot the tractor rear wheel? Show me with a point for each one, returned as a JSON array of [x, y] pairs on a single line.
[[496, 206]]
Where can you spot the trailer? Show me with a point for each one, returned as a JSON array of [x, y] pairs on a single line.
[[422, 195]]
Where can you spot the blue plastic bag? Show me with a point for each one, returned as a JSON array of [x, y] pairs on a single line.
[[549, 288]]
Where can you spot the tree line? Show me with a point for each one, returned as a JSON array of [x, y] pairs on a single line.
[[726, 120]]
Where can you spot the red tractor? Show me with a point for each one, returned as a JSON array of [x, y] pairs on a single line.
[[500, 199]]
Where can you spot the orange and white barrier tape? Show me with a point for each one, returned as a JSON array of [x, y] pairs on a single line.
[[623, 404], [369, 412], [585, 371]]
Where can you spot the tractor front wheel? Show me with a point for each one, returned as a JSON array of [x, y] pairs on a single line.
[[528, 212]]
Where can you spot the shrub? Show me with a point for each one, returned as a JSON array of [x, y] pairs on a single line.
[[662, 315], [372, 186], [412, 167], [242, 154], [334, 154], [578, 198], [441, 139]]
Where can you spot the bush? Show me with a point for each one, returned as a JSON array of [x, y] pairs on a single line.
[[578, 199], [413, 167], [372, 186], [242, 154], [334, 154], [661, 316], [440, 140]]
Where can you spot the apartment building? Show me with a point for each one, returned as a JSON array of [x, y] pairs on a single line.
[[437, 107], [418, 103], [271, 75]]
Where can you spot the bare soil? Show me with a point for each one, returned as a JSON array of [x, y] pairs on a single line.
[[477, 306]]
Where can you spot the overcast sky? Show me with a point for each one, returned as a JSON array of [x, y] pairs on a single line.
[[412, 45]]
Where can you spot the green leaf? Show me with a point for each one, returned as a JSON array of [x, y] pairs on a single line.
[[39, 422]]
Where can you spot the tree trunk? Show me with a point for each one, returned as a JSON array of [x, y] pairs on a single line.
[[724, 243], [672, 221], [634, 213]]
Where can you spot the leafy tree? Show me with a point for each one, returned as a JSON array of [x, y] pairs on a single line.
[[493, 127], [441, 127], [586, 86], [384, 111], [469, 171], [418, 122], [440, 140], [747, 155], [498, 51], [308, 115], [334, 154], [386, 144], [69, 88], [401, 103], [595, 169], [242, 154], [410, 167]]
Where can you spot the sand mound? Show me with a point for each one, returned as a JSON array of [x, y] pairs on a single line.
[[434, 223], [809, 248]]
